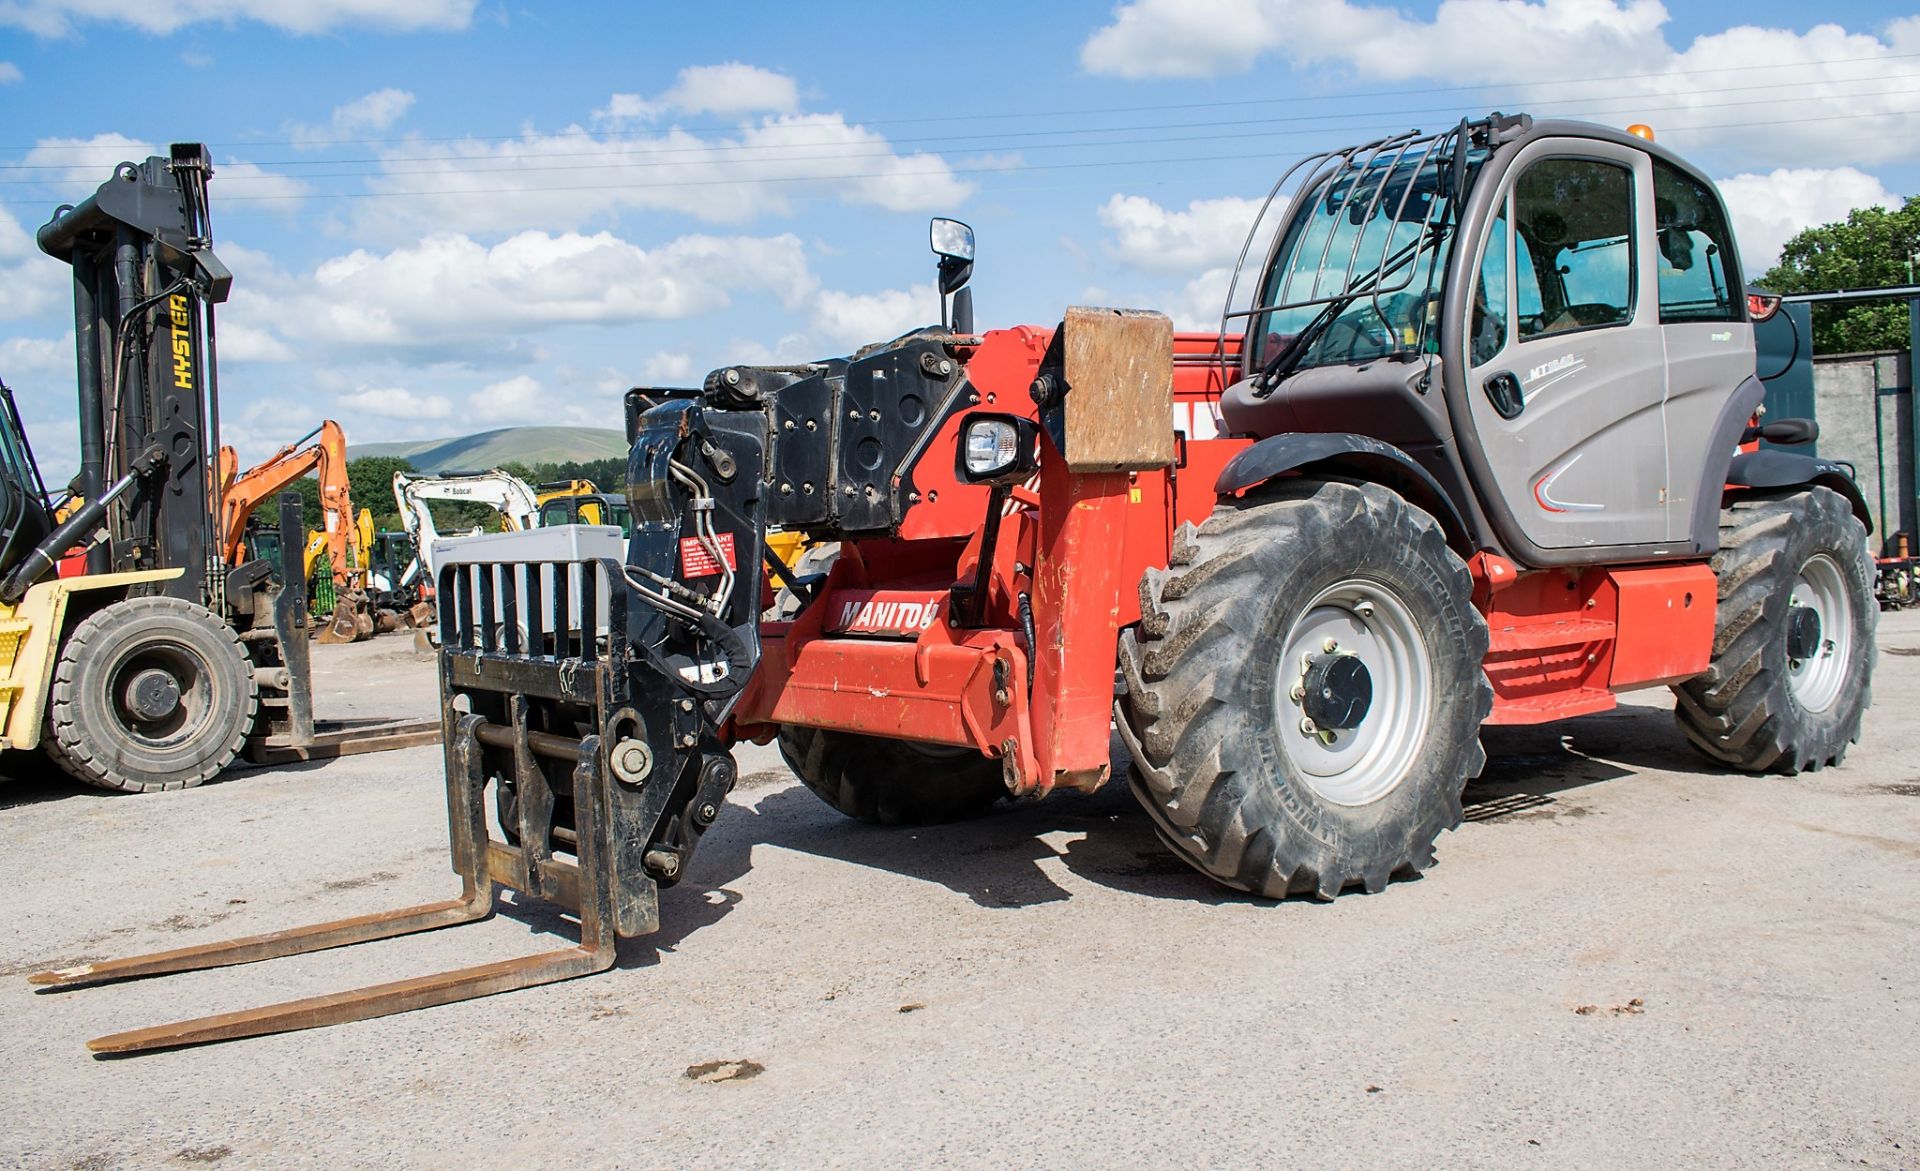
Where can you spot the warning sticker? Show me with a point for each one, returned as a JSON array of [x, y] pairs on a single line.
[[695, 561]]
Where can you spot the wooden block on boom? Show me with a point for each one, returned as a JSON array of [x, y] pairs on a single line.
[[1118, 405]]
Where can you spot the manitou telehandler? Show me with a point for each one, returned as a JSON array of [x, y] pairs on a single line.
[[138, 649], [1480, 450]]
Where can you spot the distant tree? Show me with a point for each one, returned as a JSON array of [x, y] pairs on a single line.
[[310, 512], [370, 479], [1872, 247]]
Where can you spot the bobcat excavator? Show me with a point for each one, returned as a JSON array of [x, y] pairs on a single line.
[[1477, 443], [138, 649]]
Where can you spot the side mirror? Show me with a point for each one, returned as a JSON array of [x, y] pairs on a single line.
[[952, 242], [950, 239]]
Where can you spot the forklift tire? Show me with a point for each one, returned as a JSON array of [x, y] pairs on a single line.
[[1304, 692], [892, 782], [149, 694], [1793, 644]]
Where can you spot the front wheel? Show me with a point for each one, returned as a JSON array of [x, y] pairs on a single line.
[[1304, 691], [893, 782], [150, 694], [1793, 646]]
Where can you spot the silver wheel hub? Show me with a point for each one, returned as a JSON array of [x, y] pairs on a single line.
[[1353, 692], [1819, 634]]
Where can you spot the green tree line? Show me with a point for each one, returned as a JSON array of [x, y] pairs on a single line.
[[370, 480], [1872, 248]]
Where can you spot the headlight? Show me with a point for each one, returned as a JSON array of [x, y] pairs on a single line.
[[997, 448]]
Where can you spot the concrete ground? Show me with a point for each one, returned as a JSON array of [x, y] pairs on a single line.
[[1626, 958]]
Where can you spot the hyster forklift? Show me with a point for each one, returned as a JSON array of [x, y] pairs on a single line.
[[133, 651], [1481, 449]]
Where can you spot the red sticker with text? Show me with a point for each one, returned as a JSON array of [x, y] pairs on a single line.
[[695, 561]]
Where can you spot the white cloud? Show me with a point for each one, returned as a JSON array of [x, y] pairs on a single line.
[[239, 341], [667, 369], [855, 319], [254, 182], [1210, 232], [10, 73], [1819, 110], [519, 399], [58, 18], [86, 160], [370, 114], [574, 177], [31, 282], [89, 162], [452, 296], [728, 90], [37, 357], [1770, 209], [396, 402]]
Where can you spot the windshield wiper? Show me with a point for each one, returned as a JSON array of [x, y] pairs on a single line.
[[1294, 352]]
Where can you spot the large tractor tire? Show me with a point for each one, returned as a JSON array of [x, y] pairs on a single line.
[[892, 782], [1793, 644], [1304, 692], [149, 694]]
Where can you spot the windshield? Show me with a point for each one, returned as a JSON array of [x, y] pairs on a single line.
[[1358, 269]]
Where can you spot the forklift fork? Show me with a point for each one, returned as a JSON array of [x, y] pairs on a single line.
[[591, 704], [583, 886]]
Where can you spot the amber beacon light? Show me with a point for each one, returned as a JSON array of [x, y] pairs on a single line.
[[1641, 130]]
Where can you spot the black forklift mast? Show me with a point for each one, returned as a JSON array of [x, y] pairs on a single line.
[[145, 281]]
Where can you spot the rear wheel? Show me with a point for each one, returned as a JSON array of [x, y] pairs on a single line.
[[1304, 691], [892, 782], [150, 694], [1792, 670]]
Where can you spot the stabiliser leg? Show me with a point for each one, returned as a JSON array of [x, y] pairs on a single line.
[[585, 886]]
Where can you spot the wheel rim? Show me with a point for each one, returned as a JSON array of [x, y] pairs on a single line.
[[1817, 679], [160, 695], [1361, 764]]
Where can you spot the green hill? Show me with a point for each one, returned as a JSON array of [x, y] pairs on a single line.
[[489, 449]]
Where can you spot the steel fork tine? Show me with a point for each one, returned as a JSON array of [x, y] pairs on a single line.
[[475, 906], [365, 1003]]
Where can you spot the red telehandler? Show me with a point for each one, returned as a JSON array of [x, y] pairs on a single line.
[[1481, 448]]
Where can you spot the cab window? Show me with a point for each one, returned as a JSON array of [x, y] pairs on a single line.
[[1697, 276], [1489, 326], [1574, 222]]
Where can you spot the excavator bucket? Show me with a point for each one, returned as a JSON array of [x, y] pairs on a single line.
[[600, 791], [352, 619]]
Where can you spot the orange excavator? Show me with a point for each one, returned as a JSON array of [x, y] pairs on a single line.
[[241, 493]]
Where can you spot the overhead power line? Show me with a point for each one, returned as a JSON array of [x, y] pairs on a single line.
[[898, 173], [1477, 87], [1634, 105]]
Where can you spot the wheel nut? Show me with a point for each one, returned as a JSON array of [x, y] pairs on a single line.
[[1330, 646], [1298, 693], [1308, 727], [1327, 738]]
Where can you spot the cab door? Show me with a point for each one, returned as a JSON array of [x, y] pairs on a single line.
[[1709, 344], [1565, 357]]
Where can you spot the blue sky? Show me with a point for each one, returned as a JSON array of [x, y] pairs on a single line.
[[446, 215]]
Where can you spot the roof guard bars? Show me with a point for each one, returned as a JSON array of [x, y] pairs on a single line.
[[1370, 169]]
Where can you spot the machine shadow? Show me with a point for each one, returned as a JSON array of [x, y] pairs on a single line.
[[1002, 861]]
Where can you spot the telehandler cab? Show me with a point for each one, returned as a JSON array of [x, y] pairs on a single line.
[[1480, 448]]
